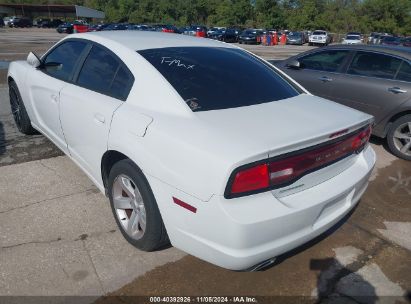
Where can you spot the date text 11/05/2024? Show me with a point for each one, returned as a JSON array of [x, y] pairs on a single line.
[[204, 299]]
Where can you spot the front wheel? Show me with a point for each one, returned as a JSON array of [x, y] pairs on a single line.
[[135, 208], [21, 118], [399, 137]]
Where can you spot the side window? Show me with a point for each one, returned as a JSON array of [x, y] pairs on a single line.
[[374, 65], [121, 84], [103, 73], [404, 73], [328, 61], [61, 61]]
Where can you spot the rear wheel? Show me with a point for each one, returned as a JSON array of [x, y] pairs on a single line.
[[21, 118], [399, 137], [135, 208]]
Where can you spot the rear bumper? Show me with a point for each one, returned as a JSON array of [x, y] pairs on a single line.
[[239, 233]]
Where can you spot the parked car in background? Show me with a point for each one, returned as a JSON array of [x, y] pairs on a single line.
[[225, 35], [39, 22], [297, 38], [21, 22], [373, 79], [406, 42], [390, 40], [319, 37], [371, 37], [140, 27], [249, 36], [6, 21], [97, 27], [214, 29], [66, 27], [352, 39], [116, 27], [169, 29], [47, 23], [255, 166]]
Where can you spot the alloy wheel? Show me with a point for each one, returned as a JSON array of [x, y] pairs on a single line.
[[402, 138], [129, 207]]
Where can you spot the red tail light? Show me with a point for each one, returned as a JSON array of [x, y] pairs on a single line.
[[251, 179], [286, 169]]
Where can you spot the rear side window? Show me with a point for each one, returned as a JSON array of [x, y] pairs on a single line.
[[374, 65], [102, 72], [210, 78], [404, 74], [66, 55], [328, 61]]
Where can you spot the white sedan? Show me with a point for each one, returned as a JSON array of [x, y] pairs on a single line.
[[352, 39], [196, 142]]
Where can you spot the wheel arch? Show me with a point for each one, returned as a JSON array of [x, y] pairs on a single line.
[[109, 158], [10, 79], [394, 118]]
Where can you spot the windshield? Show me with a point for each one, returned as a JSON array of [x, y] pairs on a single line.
[[352, 37], [212, 78], [319, 33], [295, 34]]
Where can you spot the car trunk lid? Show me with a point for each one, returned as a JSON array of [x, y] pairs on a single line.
[[286, 126]]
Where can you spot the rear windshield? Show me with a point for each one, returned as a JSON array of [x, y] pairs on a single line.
[[210, 78]]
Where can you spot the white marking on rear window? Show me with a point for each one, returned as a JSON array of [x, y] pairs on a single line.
[[176, 62]]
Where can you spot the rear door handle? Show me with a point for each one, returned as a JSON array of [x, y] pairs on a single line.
[[99, 118], [396, 90], [325, 79]]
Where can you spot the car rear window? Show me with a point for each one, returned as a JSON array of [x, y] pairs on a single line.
[[209, 78]]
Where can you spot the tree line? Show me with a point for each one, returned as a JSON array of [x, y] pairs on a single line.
[[339, 16]]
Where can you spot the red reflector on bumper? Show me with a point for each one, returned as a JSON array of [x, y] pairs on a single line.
[[185, 205]]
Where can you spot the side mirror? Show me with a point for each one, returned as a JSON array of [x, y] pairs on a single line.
[[294, 64], [33, 60]]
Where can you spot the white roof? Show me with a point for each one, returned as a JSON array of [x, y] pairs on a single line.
[[141, 40]]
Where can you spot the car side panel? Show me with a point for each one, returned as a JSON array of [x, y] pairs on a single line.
[[370, 95]]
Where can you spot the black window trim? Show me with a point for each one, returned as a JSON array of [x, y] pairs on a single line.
[[342, 67], [82, 59], [79, 62], [121, 65]]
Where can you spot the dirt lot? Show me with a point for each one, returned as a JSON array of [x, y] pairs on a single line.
[[58, 236]]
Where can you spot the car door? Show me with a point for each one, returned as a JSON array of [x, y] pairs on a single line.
[[369, 84], [318, 70], [87, 106], [45, 84]]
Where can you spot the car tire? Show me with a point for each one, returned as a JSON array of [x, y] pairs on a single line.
[[310, 44], [399, 137], [19, 112], [141, 224]]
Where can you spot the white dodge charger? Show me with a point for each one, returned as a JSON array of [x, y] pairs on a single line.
[[196, 142]]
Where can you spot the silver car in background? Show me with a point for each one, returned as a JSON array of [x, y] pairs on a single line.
[[373, 79]]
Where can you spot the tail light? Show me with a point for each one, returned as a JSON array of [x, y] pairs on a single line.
[[286, 169]]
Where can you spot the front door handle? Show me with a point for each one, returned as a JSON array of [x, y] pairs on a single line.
[[325, 79], [99, 118], [396, 90]]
